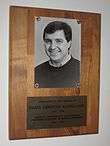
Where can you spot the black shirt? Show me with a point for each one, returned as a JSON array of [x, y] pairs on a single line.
[[68, 75]]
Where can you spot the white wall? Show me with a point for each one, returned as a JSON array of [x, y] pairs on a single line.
[[101, 139]]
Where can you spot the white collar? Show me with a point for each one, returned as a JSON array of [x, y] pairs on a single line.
[[62, 63]]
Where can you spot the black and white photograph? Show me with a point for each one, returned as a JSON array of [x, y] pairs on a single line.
[[57, 52]]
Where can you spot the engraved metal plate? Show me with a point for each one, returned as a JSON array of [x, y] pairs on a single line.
[[56, 112]]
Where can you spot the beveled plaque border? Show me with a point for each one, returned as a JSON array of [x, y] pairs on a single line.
[[21, 73]]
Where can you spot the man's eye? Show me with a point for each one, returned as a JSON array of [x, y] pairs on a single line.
[[59, 41], [47, 41]]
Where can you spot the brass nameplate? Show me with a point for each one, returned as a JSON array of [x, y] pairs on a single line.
[[56, 112]]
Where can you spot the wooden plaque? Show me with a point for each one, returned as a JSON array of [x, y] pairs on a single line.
[[23, 89]]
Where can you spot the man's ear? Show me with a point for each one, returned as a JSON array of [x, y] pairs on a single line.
[[69, 44]]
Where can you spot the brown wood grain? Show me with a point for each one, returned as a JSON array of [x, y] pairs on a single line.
[[21, 71]]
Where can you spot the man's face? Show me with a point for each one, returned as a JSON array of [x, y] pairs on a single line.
[[56, 46]]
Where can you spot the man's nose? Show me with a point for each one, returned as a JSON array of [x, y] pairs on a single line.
[[53, 45]]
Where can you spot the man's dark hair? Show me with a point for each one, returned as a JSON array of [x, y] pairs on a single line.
[[58, 25]]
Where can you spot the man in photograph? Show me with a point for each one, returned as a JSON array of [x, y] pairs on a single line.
[[61, 70]]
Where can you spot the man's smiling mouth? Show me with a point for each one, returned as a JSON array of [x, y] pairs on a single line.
[[54, 53]]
